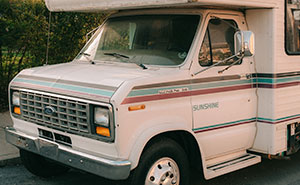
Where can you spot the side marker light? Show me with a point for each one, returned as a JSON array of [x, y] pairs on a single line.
[[137, 107], [17, 110], [103, 131]]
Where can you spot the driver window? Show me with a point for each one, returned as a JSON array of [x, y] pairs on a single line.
[[218, 43]]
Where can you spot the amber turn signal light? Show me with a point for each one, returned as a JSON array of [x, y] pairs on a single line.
[[17, 110], [103, 131], [137, 107]]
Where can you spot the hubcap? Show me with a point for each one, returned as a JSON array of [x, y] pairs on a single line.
[[163, 172]]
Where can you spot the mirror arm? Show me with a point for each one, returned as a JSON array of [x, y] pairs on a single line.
[[226, 22], [87, 35], [226, 59], [237, 61]]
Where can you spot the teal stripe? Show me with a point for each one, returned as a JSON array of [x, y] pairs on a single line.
[[245, 120], [224, 124], [276, 80], [279, 119], [264, 80], [282, 80], [146, 92], [154, 91], [33, 82], [220, 84], [68, 87]]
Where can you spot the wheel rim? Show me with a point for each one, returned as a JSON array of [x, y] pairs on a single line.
[[165, 171]]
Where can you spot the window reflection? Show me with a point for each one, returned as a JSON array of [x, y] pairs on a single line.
[[218, 43]]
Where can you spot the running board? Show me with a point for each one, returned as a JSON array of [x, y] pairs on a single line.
[[232, 165]]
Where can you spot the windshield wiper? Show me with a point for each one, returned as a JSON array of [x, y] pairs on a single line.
[[117, 55], [142, 66], [87, 56]]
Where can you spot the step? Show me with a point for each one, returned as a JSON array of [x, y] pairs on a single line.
[[232, 165]]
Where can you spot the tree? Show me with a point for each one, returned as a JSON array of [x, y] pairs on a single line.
[[24, 32]]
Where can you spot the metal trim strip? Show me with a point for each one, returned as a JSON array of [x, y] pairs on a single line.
[[188, 82], [184, 94], [112, 169], [60, 91], [246, 121], [104, 87]]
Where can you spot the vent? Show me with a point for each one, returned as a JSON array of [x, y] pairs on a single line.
[[55, 112]]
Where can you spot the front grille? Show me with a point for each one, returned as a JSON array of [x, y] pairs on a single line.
[[68, 115]]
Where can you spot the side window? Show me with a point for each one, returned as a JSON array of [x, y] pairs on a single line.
[[292, 27], [218, 43]]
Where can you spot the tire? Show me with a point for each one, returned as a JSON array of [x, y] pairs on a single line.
[[164, 162], [40, 166]]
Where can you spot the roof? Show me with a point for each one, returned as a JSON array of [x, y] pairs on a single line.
[[100, 5]]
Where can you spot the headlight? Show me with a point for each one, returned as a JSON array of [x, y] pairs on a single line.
[[101, 116], [16, 98], [102, 122], [15, 101]]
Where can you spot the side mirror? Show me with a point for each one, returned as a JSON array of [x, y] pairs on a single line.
[[244, 42]]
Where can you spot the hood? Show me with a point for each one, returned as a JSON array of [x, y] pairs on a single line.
[[94, 82]]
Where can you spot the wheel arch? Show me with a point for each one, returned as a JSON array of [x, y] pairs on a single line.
[[184, 138]]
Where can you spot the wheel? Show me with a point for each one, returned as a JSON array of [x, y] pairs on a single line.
[[41, 166], [163, 163]]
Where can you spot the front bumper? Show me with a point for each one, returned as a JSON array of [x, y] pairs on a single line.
[[115, 170]]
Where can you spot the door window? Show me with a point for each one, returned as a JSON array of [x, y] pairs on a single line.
[[218, 43], [292, 27]]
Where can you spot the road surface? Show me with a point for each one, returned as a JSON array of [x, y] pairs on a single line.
[[269, 172]]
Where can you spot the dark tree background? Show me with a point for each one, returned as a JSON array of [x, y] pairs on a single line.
[[24, 33]]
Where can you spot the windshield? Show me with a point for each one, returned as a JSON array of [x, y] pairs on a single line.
[[144, 39]]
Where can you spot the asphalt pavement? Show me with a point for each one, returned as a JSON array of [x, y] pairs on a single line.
[[8, 153], [269, 172]]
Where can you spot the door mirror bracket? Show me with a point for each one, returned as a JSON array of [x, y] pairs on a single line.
[[244, 47]]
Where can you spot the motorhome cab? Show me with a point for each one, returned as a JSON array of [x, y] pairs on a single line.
[[163, 85]]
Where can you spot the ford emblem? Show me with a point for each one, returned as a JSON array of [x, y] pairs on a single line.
[[49, 110]]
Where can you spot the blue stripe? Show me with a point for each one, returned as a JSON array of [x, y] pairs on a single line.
[[220, 84], [245, 120], [80, 89], [224, 124]]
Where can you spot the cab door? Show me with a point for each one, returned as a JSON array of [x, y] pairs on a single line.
[[224, 102]]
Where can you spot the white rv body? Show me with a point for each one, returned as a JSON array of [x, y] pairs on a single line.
[[222, 116], [100, 5]]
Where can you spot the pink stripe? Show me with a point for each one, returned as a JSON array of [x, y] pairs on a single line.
[[275, 86], [268, 122], [222, 89], [183, 94], [205, 130], [39, 87], [155, 97]]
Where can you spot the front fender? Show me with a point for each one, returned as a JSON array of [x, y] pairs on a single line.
[[146, 135]]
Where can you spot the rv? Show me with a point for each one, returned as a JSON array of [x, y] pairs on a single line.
[[163, 85]]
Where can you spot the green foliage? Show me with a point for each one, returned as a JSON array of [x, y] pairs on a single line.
[[24, 33]]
